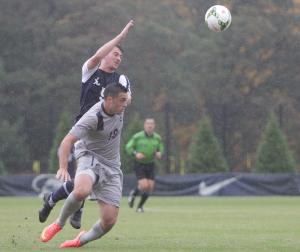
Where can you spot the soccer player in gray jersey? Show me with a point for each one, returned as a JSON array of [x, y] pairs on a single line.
[[98, 177]]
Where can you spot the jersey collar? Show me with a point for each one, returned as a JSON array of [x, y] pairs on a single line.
[[148, 135], [102, 106]]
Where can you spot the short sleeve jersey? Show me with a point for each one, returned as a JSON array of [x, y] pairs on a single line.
[[148, 145], [93, 84], [99, 135]]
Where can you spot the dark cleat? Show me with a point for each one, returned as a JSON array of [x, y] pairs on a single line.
[[46, 209], [75, 219], [140, 210], [131, 198]]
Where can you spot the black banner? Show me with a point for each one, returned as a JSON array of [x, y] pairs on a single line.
[[219, 184]]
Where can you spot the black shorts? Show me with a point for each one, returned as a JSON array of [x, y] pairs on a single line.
[[144, 170]]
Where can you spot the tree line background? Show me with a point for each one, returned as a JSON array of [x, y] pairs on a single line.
[[180, 72]]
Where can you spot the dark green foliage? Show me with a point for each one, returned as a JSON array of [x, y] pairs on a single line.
[[13, 151], [127, 160], [273, 154], [205, 153], [170, 54], [63, 128]]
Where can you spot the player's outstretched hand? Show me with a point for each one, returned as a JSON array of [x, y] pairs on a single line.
[[126, 29], [63, 175]]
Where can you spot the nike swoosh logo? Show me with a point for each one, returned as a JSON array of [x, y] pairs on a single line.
[[205, 190], [43, 234]]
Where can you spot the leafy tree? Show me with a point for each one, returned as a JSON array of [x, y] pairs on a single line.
[[13, 151], [170, 54], [273, 154], [127, 160], [64, 126], [205, 153]]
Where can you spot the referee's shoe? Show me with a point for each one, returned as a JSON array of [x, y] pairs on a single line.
[[131, 198], [140, 210]]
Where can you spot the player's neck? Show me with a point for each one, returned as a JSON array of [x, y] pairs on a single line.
[[149, 133], [107, 110], [106, 69]]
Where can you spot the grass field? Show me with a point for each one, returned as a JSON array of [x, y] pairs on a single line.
[[169, 224]]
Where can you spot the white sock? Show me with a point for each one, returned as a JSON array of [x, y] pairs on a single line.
[[95, 233], [71, 206]]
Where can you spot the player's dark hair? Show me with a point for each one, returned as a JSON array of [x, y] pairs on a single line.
[[120, 47], [113, 89]]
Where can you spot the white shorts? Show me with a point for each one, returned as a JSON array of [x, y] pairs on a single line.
[[106, 187]]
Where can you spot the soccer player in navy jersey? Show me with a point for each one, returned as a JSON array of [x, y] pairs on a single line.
[[97, 73]]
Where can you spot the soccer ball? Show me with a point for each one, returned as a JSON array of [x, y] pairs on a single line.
[[218, 18]]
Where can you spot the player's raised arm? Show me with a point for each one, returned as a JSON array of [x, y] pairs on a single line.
[[106, 49], [128, 98]]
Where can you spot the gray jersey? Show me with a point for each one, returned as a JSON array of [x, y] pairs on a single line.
[[99, 135]]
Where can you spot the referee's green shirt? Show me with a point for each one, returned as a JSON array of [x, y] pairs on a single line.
[[148, 145]]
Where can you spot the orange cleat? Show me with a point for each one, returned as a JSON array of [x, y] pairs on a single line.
[[49, 232], [73, 243]]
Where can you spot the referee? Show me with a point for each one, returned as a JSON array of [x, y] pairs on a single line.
[[145, 146]]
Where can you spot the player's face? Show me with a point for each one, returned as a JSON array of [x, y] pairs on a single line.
[[119, 104], [149, 126], [114, 58]]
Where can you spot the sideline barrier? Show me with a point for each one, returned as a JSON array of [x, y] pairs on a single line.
[[217, 184]]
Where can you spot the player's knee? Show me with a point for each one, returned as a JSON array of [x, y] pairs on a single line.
[[80, 194], [149, 189], [108, 222]]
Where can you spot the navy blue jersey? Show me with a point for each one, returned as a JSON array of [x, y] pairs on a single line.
[[93, 84]]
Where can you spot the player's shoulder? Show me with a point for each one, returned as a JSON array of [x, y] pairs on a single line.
[[157, 136], [139, 134]]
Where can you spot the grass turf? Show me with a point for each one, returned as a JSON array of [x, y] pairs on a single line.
[[169, 224]]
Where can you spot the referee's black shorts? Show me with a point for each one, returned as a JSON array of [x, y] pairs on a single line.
[[144, 170]]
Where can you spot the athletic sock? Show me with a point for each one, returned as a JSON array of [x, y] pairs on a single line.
[[63, 192], [95, 233], [81, 208], [145, 196], [50, 201], [71, 206]]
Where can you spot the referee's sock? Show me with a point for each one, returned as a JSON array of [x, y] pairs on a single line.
[[144, 197]]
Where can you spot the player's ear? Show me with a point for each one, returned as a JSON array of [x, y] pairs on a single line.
[[109, 99]]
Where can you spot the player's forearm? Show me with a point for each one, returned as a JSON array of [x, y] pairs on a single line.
[[64, 155], [129, 148], [104, 50], [65, 149], [128, 98]]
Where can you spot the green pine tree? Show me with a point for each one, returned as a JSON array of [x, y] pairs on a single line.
[[273, 154], [13, 151], [126, 160], [205, 153], [64, 126]]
